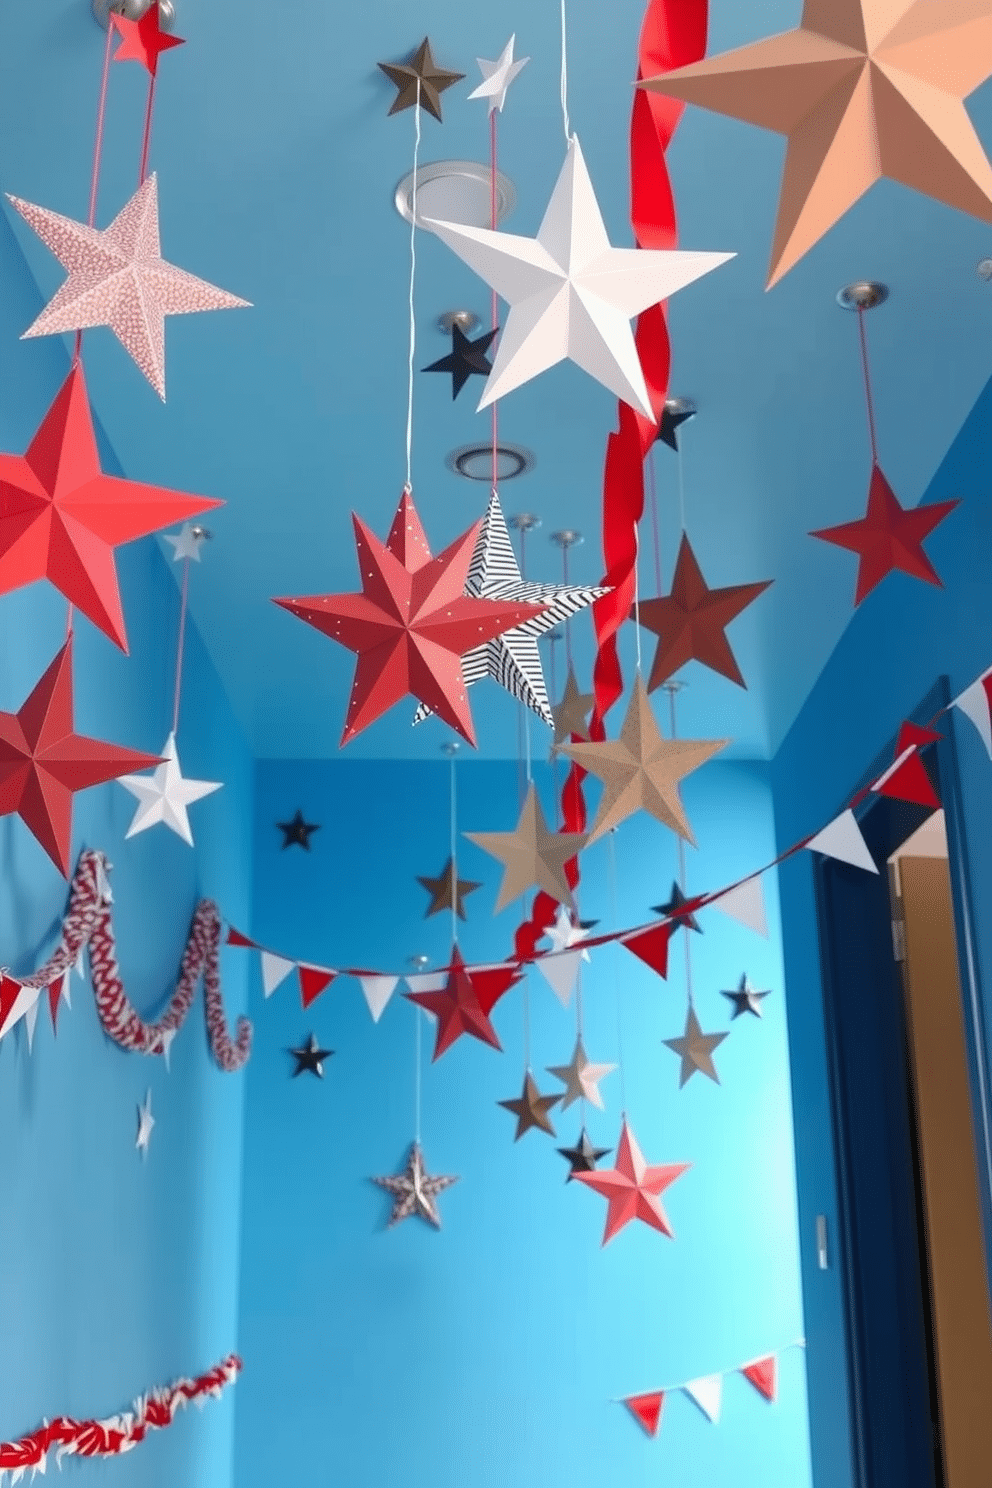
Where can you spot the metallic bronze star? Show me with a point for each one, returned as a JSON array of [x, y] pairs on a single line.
[[531, 1110], [695, 1049], [420, 81], [572, 713], [447, 892]]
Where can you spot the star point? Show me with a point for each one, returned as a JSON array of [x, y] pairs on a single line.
[[571, 715], [466, 358], [633, 1188], [164, 796], [671, 910], [695, 1049], [414, 1190]]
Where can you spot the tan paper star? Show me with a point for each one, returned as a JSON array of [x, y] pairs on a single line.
[[864, 90], [571, 714], [641, 770], [531, 1110], [420, 81], [580, 1077], [531, 855], [447, 891], [695, 1049]]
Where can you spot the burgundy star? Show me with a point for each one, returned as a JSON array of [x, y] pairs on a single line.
[[464, 1004]]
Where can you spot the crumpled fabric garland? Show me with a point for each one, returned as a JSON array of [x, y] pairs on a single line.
[[88, 923], [114, 1434], [673, 34]]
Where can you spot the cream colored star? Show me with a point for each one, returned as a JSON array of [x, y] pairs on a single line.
[[580, 1077]]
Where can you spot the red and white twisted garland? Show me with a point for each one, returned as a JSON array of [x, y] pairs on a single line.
[[115, 1434], [88, 923]]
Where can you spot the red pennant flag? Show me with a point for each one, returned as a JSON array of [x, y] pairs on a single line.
[[313, 981], [54, 998], [235, 938], [906, 779], [646, 1410], [9, 993], [651, 945], [763, 1374]]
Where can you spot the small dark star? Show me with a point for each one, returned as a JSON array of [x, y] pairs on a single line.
[[419, 81], [746, 999], [466, 358], [670, 422], [675, 903], [310, 1058], [583, 1157], [297, 833]]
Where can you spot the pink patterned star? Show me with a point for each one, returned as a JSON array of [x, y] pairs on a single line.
[[118, 278], [632, 1188]]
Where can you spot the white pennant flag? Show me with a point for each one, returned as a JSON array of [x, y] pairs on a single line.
[[707, 1393], [974, 703], [377, 990], [27, 997], [427, 981], [275, 970], [842, 839], [561, 973], [745, 904], [31, 1023], [65, 993]]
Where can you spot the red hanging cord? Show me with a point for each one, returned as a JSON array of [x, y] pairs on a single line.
[[869, 401], [183, 605]]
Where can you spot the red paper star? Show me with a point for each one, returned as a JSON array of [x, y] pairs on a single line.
[[631, 1188], [144, 39], [411, 624], [690, 622], [43, 762], [889, 537], [61, 517], [466, 1001]]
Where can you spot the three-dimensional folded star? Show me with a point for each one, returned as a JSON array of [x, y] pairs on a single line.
[[531, 1109], [414, 1190], [745, 998], [570, 716], [412, 623], [464, 1003], [146, 1122], [690, 621], [465, 359], [187, 542], [118, 278], [672, 420], [864, 89], [142, 40], [531, 855], [561, 968], [888, 537], [671, 910], [447, 891], [632, 1188], [419, 82], [61, 517], [583, 1157], [641, 770], [695, 1049], [498, 75], [580, 1077], [164, 796], [310, 1058], [43, 761], [512, 658], [572, 295], [297, 832]]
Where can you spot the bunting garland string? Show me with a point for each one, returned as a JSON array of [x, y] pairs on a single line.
[[706, 1390]]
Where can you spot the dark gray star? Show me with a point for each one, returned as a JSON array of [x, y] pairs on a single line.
[[297, 833], [583, 1157], [670, 422], [675, 903], [465, 358], [310, 1058], [746, 999]]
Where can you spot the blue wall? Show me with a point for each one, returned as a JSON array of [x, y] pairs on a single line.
[[117, 1274], [489, 1353], [902, 639]]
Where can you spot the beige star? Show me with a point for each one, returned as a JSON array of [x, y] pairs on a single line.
[[641, 770], [531, 1110], [531, 855], [571, 713], [864, 90], [580, 1078], [695, 1049]]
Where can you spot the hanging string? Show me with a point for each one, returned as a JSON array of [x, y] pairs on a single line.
[[453, 814], [564, 77], [616, 979], [101, 114], [681, 490], [523, 706], [554, 637], [147, 136], [183, 605], [494, 301], [869, 401], [672, 688], [637, 594], [568, 618], [525, 1006], [408, 487], [417, 1061], [653, 491]]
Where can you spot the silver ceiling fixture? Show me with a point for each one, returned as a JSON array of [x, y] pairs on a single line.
[[677, 406], [455, 191], [465, 320], [567, 538], [863, 294], [134, 10], [475, 462]]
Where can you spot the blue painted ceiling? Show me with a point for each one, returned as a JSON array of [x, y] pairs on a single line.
[[277, 166]]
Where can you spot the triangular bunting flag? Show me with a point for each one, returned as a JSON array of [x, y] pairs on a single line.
[[15, 1001], [707, 1394], [275, 970], [842, 839], [427, 981], [313, 981], [746, 905], [377, 990], [976, 703], [651, 945], [763, 1374], [235, 938], [646, 1409], [561, 972], [31, 1021], [59, 992], [906, 778]]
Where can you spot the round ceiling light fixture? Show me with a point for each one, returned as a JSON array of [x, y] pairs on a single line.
[[133, 10], [863, 294], [455, 191], [465, 320], [475, 462]]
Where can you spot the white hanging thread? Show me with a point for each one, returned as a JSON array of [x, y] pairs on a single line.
[[413, 276], [453, 812], [564, 78], [681, 489], [672, 689], [416, 1076], [616, 979]]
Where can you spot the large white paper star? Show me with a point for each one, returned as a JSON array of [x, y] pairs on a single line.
[[512, 658], [497, 76], [164, 795], [145, 1123], [571, 295], [118, 278]]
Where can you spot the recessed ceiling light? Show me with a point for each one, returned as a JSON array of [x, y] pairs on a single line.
[[455, 191], [475, 462]]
